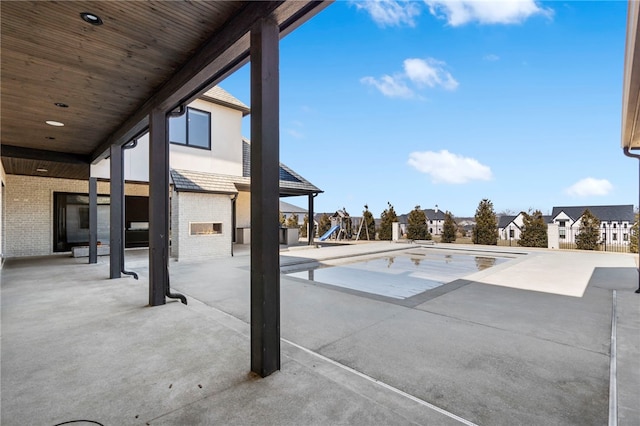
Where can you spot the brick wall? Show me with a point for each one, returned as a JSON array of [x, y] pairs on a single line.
[[190, 207], [28, 215]]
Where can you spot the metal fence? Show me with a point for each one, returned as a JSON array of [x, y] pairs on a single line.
[[616, 240]]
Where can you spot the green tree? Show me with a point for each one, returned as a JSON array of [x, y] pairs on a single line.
[[534, 230], [283, 219], [292, 221], [387, 217], [449, 228], [368, 228], [485, 230], [305, 226], [588, 232], [633, 239], [324, 224], [417, 225]]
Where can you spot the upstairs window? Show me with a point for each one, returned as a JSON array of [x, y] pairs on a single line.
[[193, 128]]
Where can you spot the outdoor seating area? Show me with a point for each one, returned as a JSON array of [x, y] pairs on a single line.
[[480, 351]]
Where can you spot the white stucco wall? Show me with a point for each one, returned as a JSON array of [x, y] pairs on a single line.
[[197, 207], [225, 156], [28, 216], [243, 210]]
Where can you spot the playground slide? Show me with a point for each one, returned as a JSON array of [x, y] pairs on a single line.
[[329, 232]]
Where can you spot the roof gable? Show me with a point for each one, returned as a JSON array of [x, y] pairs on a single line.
[[219, 96]]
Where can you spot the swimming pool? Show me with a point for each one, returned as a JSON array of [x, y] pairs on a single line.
[[400, 275]]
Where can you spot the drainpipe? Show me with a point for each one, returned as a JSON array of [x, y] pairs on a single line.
[[129, 145], [233, 219], [629, 154], [179, 111]]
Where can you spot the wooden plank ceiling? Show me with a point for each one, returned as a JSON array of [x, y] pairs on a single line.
[[107, 75]]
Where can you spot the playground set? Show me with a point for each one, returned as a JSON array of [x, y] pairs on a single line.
[[341, 228]]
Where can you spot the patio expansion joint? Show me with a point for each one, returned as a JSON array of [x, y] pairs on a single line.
[[353, 333], [512, 331]]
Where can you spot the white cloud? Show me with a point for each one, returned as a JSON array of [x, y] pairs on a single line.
[[589, 186], [421, 73], [446, 167], [429, 72], [296, 134], [491, 57], [460, 12], [393, 87], [390, 12]]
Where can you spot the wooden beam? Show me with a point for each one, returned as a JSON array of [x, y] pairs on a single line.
[[43, 155], [221, 54], [224, 53]]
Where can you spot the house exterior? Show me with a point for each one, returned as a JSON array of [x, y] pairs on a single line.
[[435, 221], [510, 227], [288, 209], [209, 181], [615, 222]]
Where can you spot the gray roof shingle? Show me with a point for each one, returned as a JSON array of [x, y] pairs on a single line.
[[291, 183], [221, 97], [604, 213], [187, 180], [504, 221]]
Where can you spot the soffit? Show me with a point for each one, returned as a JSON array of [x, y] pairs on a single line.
[[145, 55], [631, 81]]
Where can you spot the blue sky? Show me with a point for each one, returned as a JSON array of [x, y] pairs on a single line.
[[448, 103]]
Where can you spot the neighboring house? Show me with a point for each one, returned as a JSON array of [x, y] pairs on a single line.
[[510, 227], [615, 222], [288, 209], [210, 191], [435, 221]]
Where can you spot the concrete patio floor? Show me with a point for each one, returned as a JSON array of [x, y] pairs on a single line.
[[525, 342]]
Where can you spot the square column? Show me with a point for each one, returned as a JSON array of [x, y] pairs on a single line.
[[265, 192], [115, 211], [311, 224], [158, 207], [93, 220]]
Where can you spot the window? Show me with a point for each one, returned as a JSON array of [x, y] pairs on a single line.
[[511, 233], [624, 226], [562, 223], [604, 225], [201, 228], [614, 225], [615, 237], [562, 234], [625, 237], [192, 129], [604, 236]]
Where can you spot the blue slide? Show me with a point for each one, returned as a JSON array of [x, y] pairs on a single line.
[[329, 232]]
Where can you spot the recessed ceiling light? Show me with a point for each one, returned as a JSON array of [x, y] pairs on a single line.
[[61, 105], [41, 170], [54, 123], [91, 18]]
